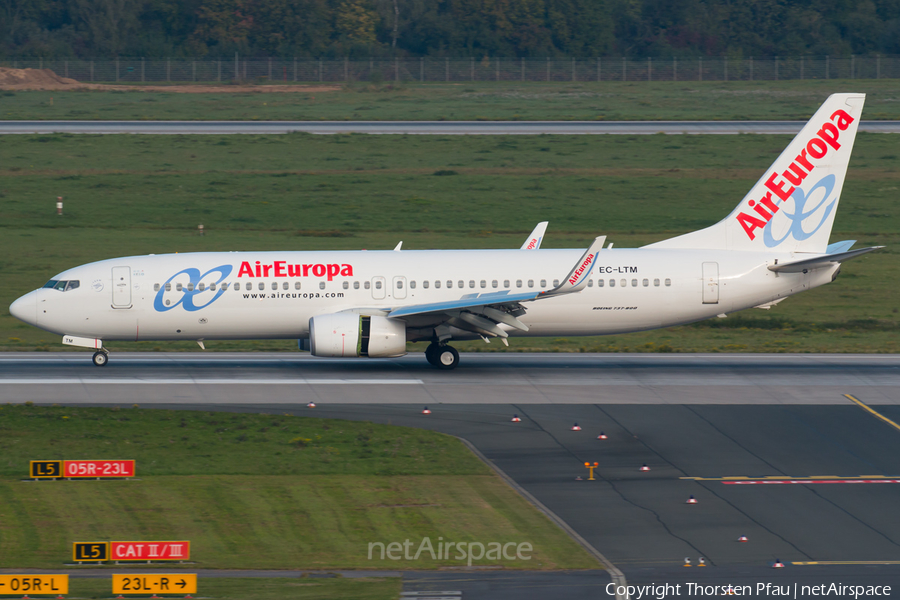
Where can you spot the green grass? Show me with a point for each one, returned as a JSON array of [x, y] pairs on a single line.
[[258, 491], [739, 100], [147, 194]]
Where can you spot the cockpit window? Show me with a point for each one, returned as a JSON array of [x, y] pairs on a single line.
[[63, 286]]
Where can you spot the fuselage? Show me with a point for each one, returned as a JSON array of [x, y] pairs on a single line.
[[254, 295]]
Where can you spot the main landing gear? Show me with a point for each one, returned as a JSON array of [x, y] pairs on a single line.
[[101, 358], [442, 356]]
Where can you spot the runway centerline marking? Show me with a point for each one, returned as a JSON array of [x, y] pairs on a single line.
[[847, 562], [811, 479], [874, 412], [185, 381]]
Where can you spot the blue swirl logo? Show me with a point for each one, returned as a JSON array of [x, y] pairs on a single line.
[[191, 290], [800, 213]]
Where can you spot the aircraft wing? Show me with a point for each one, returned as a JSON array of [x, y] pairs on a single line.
[[533, 242], [823, 260], [482, 313]]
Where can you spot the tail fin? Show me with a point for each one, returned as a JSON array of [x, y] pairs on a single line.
[[792, 207]]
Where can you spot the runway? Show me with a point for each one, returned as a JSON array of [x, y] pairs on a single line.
[[781, 418], [287, 378], [425, 127]]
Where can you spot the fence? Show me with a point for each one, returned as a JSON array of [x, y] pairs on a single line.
[[139, 70]]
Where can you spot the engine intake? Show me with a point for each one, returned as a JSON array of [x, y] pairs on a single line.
[[350, 334]]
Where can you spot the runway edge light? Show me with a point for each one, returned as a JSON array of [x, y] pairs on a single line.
[[576, 427], [743, 538], [602, 436], [516, 419], [644, 467], [691, 500]]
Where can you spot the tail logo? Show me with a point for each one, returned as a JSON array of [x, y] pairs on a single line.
[[784, 185], [801, 215]]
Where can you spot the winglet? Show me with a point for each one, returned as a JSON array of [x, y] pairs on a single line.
[[534, 240], [581, 272]]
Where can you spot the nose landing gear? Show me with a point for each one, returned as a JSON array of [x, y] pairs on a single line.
[[101, 358], [442, 356]]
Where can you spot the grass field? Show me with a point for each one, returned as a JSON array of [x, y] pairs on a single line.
[[258, 491], [147, 194], [738, 100]]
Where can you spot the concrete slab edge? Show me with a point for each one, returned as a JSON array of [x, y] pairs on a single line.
[[617, 576]]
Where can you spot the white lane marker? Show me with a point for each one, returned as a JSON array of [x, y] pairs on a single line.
[[149, 381]]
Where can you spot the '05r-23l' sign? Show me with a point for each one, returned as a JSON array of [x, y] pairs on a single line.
[[55, 469]]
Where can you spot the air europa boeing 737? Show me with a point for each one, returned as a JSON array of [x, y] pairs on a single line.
[[350, 304]]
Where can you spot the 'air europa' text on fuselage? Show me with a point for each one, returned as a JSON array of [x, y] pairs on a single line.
[[816, 148], [281, 268]]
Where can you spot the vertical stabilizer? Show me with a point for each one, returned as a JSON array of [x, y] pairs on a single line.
[[792, 207]]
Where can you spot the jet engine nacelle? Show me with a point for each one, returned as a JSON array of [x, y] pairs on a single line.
[[350, 334]]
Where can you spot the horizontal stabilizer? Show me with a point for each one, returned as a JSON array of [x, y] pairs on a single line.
[[824, 260]]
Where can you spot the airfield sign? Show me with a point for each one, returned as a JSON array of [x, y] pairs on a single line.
[[168, 550], [90, 551], [35, 584], [180, 583]]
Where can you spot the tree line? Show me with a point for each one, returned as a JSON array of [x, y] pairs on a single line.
[[447, 28]]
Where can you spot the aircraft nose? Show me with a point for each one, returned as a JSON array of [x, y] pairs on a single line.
[[25, 308]]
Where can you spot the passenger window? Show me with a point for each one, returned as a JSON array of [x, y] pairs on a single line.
[[646, 282], [495, 284], [285, 286], [236, 286], [483, 284], [346, 285], [518, 283], [178, 287], [590, 283], [555, 282], [201, 287], [399, 284], [543, 283], [155, 287], [531, 283], [623, 282], [600, 282], [377, 285], [437, 284], [656, 283], [506, 283], [460, 284], [425, 284], [668, 282], [261, 286], [190, 287], [297, 285], [471, 283], [248, 286], [168, 287], [412, 285], [612, 283], [634, 283], [212, 287], [274, 285], [321, 285], [355, 285], [367, 285]]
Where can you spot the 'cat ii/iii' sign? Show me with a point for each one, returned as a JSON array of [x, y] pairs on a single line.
[[150, 550]]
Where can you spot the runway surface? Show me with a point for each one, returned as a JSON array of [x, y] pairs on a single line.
[[223, 378], [425, 127], [780, 425]]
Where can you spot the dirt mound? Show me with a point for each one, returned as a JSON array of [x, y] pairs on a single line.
[[47, 80], [34, 79]]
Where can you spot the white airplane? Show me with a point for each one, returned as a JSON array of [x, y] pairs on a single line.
[[356, 303]]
